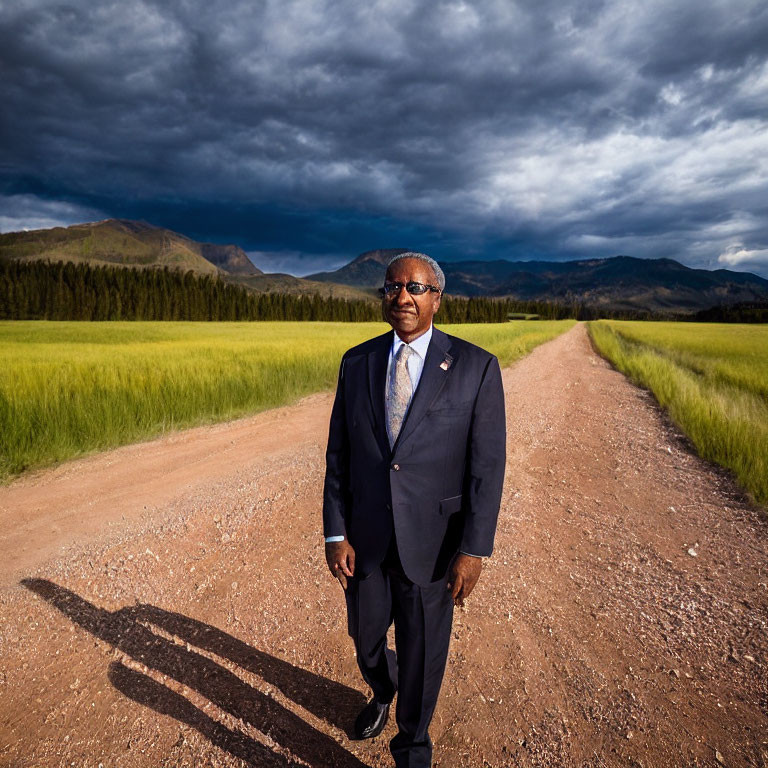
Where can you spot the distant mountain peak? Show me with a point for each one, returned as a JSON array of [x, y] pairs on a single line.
[[364, 271], [380, 255]]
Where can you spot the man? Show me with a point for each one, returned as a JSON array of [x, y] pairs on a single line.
[[414, 473]]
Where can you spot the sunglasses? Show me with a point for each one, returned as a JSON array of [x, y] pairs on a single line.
[[414, 288]]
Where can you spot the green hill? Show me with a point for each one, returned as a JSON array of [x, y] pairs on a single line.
[[127, 243]]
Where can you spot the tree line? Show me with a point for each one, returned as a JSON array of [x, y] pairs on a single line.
[[41, 290], [744, 312], [65, 291]]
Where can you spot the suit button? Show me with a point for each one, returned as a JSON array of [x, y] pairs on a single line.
[[395, 467]]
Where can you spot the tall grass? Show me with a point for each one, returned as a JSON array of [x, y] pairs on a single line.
[[711, 378], [71, 388], [722, 353], [510, 341]]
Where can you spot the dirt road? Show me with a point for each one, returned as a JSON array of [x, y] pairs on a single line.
[[167, 604]]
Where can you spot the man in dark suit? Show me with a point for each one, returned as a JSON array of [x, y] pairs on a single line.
[[414, 473]]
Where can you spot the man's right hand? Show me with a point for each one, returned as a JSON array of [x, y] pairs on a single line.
[[341, 560]]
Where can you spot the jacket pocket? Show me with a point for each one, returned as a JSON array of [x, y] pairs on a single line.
[[450, 505]]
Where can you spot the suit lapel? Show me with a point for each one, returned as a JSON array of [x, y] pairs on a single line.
[[377, 374], [433, 377]]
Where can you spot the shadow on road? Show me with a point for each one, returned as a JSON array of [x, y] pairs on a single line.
[[127, 629]]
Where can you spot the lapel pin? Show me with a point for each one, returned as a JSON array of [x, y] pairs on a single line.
[[446, 364]]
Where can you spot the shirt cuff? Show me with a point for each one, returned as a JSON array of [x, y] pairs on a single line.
[[330, 539]]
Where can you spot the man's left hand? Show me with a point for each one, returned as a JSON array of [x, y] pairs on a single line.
[[465, 572]]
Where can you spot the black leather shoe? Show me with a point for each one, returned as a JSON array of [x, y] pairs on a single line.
[[371, 720]]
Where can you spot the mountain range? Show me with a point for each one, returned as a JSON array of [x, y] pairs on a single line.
[[615, 283]]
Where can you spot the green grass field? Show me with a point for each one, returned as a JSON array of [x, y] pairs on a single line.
[[712, 379], [67, 389]]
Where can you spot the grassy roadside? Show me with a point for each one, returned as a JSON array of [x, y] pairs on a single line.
[[711, 378], [67, 389]]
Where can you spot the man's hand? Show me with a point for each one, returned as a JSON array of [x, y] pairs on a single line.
[[341, 560], [465, 572]]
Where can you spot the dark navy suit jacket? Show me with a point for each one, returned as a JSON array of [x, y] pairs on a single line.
[[438, 489]]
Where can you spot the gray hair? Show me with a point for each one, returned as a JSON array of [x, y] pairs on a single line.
[[427, 260]]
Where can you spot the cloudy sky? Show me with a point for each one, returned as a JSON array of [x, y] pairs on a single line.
[[308, 131]]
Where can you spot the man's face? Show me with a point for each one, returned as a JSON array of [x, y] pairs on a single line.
[[410, 315]]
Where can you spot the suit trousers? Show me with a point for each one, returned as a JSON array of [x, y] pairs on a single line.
[[422, 618]]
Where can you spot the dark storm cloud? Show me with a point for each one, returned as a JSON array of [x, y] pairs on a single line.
[[315, 130]]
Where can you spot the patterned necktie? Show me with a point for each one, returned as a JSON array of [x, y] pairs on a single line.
[[399, 393]]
